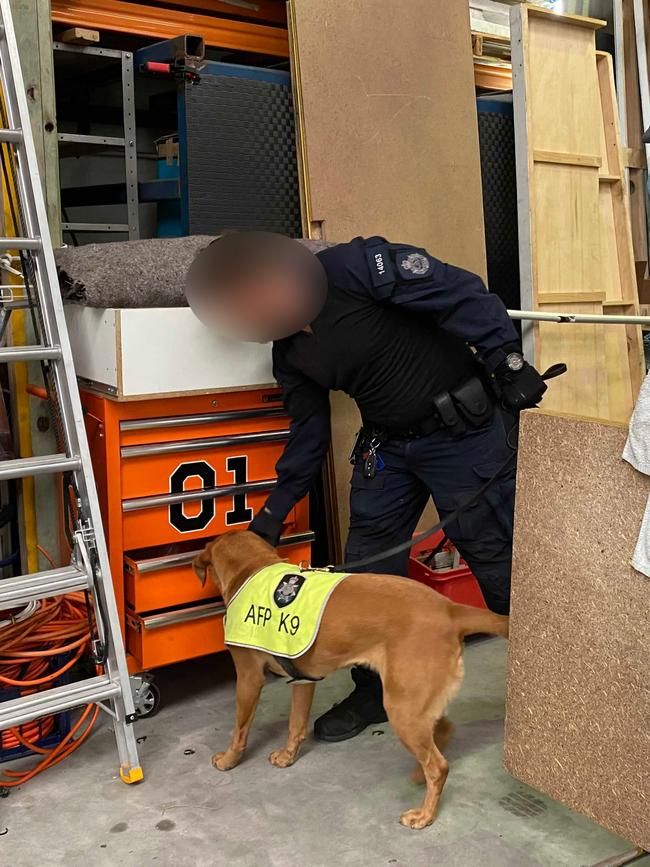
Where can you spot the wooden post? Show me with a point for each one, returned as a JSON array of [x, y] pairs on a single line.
[[636, 173], [33, 26], [33, 23]]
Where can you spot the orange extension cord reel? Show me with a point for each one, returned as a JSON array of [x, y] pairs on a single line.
[[30, 649]]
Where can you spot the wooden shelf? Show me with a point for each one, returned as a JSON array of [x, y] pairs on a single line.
[[492, 37], [487, 77], [142, 19], [499, 45]]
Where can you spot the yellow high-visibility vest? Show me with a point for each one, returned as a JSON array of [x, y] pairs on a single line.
[[279, 609]]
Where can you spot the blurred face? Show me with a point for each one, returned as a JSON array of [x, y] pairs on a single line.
[[265, 307], [268, 301]]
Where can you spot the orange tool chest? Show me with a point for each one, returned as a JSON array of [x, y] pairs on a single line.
[[173, 473]]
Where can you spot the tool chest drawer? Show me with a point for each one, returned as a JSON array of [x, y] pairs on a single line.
[[164, 578], [166, 467], [160, 581], [227, 421], [161, 639], [199, 513]]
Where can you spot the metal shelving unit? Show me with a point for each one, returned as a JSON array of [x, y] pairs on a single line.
[[73, 144]]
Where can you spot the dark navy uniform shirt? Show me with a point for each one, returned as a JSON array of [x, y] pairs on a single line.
[[393, 333]]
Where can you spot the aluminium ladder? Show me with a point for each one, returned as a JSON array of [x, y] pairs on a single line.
[[89, 569]]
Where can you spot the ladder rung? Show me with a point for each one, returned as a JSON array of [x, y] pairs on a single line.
[[41, 585], [50, 701], [22, 467], [11, 136], [20, 244], [29, 353]]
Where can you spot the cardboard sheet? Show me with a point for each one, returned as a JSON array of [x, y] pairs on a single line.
[[388, 139]]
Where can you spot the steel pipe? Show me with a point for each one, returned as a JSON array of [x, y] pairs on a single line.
[[578, 318]]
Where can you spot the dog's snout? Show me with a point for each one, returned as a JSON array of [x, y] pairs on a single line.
[[200, 564]]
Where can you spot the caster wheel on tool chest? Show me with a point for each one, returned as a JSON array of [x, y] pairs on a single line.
[[146, 696]]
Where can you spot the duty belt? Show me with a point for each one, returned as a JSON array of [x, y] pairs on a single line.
[[422, 429], [466, 406]]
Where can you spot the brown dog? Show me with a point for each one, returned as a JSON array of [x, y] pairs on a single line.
[[409, 634]]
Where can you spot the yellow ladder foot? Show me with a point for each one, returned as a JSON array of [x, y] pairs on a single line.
[[131, 775]]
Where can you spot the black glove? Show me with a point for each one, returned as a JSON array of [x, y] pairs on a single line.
[[519, 384], [267, 526]]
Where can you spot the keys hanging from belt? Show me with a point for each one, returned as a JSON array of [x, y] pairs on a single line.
[[371, 459]]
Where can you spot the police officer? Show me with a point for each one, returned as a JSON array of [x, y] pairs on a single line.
[[414, 341]]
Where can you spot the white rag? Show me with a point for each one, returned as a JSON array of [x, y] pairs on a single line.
[[637, 453]]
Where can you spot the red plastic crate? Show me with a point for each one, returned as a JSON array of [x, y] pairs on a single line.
[[459, 584]]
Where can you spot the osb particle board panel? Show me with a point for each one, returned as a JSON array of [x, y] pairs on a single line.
[[576, 252], [578, 706], [387, 138]]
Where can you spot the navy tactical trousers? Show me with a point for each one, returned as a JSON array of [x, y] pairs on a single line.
[[386, 509]]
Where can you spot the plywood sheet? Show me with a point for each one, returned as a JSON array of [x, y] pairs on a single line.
[[576, 253], [578, 707], [388, 138], [563, 91], [566, 200]]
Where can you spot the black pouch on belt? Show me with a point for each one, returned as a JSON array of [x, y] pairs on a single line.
[[473, 402], [453, 423]]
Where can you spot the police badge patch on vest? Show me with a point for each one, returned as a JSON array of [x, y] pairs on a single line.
[[279, 609], [287, 590]]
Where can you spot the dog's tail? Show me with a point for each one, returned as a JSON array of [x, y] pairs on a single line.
[[472, 620]]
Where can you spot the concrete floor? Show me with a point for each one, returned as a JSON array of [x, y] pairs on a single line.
[[339, 804]]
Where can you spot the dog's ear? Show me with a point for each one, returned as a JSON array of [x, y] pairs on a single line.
[[202, 562]]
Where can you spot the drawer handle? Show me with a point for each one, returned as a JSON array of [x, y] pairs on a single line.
[[156, 621], [209, 418], [199, 494], [196, 445], [155, 564]]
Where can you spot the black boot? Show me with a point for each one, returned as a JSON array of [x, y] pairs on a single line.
[[363, 707]]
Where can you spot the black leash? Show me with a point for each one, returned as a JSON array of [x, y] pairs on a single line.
[[551, 373], [397, 549]]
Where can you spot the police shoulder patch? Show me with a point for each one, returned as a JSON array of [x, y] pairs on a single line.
[[287, 589], [413, 264]]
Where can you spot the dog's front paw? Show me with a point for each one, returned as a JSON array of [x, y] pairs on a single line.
[[416, 819], [225, 761], [282, 758]]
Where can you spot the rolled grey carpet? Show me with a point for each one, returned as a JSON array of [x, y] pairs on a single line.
[[147, 273]]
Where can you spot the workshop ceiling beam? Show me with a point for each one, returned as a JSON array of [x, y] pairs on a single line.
[[159, 23]]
